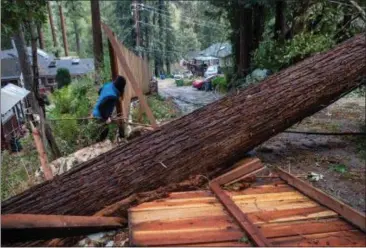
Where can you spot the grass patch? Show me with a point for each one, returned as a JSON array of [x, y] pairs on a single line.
[[163, 109], [340, 168], [18, 169]]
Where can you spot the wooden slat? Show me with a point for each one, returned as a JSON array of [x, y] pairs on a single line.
[[342, 238], [355, 217], [263, 190], [222, 244], [182, 237], [25, 227], [275, 205], [254, 233], [253, 173], [290, 214], [304, 227], [175, 214], [190, 194], [246, 166]]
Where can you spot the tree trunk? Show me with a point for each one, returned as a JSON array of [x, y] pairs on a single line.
[[258, 24], [212, 137], [54, 38], [97, 37], [40, 104], [280, 23], [245, 41], [77, 37], [63, 27], [155, 52], [40, 36]]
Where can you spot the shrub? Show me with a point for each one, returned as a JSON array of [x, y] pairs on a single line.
[[68, 104], [275, 55], [187, 82], [63, 77], [220, 84]]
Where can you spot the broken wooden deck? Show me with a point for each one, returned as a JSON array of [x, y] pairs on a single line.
[[282, 214]]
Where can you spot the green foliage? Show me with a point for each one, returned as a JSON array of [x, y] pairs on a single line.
[[275, 55], [340, 168], [220, 84], [63, 77], [67, 105], [15, 13], [15, 168], [162, 109], [179, 82], [187, 82]]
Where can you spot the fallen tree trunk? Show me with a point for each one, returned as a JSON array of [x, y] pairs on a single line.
[[210, 138]]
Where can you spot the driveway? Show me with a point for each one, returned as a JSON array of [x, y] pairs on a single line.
[[187, 98]]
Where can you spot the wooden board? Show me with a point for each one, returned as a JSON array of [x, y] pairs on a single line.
[[352, 215], [285, 216]]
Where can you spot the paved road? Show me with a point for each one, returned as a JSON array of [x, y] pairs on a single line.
[[187, 98]]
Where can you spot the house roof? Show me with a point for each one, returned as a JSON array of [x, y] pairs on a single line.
[[10, 96], [44, 59], [220, 50], [84, 66], [192, 54], [10, 68]]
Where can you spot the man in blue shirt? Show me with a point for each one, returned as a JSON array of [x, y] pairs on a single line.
[[108, 97]]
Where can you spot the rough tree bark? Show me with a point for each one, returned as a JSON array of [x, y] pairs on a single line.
[[54, 38], [40, 108], [63, 27], [199, 143], [40, 36], [258, 24], [77, 37], [97, 36], [245, 41], [280, 23]]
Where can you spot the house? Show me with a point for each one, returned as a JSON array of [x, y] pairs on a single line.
[[222, 51], [47, 64], [216, 54], [13, 100], [11, 72]]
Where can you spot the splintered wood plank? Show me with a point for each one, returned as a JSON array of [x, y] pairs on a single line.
[[209, 201], [186, 236], [201, 222], [282, 196], [263, 189], [190, 194], [305, 227], [222, 244], [355, 217], [342, 238], [275, 205], [175, 213], [291, 214], [245, 166], [253, 232]]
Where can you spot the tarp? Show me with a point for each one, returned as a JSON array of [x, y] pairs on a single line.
[[10, 96]]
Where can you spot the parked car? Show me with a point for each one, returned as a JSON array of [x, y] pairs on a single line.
[[212, 70], [178, 75], [204, 84]]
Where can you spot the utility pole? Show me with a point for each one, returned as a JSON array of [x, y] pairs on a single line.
[[136, 7]]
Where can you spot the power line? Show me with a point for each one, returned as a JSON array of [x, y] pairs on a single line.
[[187, 20]]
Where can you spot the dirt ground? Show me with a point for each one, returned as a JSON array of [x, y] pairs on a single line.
[[340, 159]]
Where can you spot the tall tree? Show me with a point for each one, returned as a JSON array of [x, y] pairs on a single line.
[[40, 36], [18, 15], [50, 16], [97, 37], [258, 23], [76, 12], [63, 28], [245, 40], [280, 22]]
